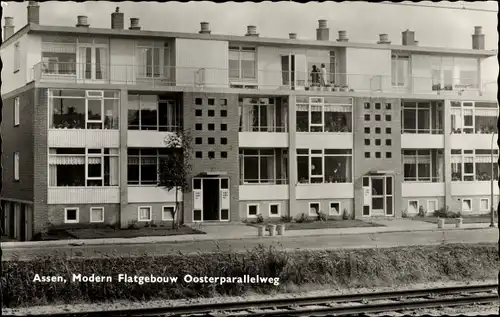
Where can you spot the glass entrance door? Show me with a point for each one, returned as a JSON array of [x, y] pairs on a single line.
[[92, 64], [378, 196]]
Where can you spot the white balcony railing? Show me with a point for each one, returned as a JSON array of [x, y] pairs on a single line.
[[261, 79]]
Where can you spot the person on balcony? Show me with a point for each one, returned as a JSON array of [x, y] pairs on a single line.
[[315, 76], [324, 76]]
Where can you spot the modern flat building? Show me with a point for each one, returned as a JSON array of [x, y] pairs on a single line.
[[377, 129]]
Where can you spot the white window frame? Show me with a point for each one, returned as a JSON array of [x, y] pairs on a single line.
[[140, 156], [95, 209], [462, 204], [474, 156], [241, 49], [248, 210], [395, 81], [420, 179], [17, 57], [16, 166], [163, 64], [411, 201], [16, 111], [279, 210], [163, 218], [433, 201], [480, 204], [259, 157], [320, 101], [150, 208], [314, 203], [66, 220], [330, 208], [322, 155]]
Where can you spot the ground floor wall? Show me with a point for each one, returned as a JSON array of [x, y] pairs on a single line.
[[332, 207], [56, 214], [129, 214], [473, 204], [412, 205], [264, 209]]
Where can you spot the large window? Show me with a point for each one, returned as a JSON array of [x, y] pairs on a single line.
[[422, 117], [263, 115], [423, 165], [324, 166], [324, 114], [473, 117], [80, 109], [83, 167], [242, 62], [473, 165], [153, 59], [152, 112], [263, 166], [144, 165], [59, 55], [454, 73], [400, 70]]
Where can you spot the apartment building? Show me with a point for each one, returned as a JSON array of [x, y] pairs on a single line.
[[380, 128]]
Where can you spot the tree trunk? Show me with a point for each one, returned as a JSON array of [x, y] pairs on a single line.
[[176, 207]]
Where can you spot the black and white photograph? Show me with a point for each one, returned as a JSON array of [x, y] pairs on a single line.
[[249, 158]]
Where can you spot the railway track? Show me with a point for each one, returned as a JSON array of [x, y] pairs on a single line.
[[350, 304]]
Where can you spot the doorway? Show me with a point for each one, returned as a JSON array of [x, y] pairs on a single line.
[[211, 199], [92, 63], [378, 196], [294, 71]]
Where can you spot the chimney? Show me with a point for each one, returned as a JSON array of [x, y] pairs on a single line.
[[117, 19], [322, 32], [8, 28], [33, 12], [416, 43], [82, 21], [134, 24], [408, 37], [205, 28], [293, 36], [342, 36], [383, 39], [478, 38], [251, 31]]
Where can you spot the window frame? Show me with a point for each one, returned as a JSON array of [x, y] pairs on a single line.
[[17, 114], [240, 49], [152, 46], [409, 203], [279, 210], [462, 204], [257, 210], [16, 158], [330, 207], [323, 156], [96, 208], [480, 204], [324, 104], [474, 155], [169, 103], [309, 210], [66, 220], [172, 218], [139, 157], [416, 163], [397, 57], [150, 208], [432, 201], [259, 156]]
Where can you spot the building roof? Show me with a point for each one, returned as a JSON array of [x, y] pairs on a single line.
[[251, 40]]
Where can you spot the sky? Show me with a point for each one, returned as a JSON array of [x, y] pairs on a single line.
[[363, 21]]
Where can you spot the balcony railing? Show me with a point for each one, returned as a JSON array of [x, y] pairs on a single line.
[[421, 131], [263, 181], [262, 79]]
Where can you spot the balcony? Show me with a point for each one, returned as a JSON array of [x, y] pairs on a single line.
[[83, 195], [79, 73]]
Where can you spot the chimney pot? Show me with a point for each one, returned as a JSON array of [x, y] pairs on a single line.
[[478, 30], [8, 28], [292, 36], [82, 21], [384, 39], [134, 24], [322, 32], [408, 37], [117, 19], [9, 21], [33, 12], [478, 38], [251, 31], [205, 28], [342, 36]]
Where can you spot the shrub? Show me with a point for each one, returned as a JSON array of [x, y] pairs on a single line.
[[404, 213], [286, 218], [302, 218], [133, 226], [260, 218], [345, 214], [421, 211], [322, 216], [447, 213]]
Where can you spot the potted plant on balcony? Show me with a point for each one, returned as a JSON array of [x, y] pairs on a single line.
[[344, 88], [336, 87]]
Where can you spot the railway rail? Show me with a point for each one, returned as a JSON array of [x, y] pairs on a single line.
[[337, 305]]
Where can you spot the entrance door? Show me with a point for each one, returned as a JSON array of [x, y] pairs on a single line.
[[378, 196], [92, 64], [211, 199], [294, 71], [211, 188]]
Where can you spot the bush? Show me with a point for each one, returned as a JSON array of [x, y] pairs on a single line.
[[404, 213], [340, 269], [133, 226], [302, 218], [421, 211], [322, 216], [260, 218], [286, 218], [345, 214], [447, 213]]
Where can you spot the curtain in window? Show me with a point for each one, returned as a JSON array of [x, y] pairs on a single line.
[[52, 168], [270, 118], [248, 117], [101, 67], [66, 160], [114, 167], [440, 166], [456, 159]]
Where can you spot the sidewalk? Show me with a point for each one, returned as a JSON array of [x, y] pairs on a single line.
[[243, 232]]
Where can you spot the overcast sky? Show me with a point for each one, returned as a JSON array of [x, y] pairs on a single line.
[[363, 21]]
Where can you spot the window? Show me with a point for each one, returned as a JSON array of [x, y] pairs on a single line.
[[422, 117], [211, 101], [223, 102], [262, 115], [198, 140], [377, 142], [223, 127], [198, 101], [153, 59], [452, 73], [324, 114], [252, 210], [96, 214], [367, 141], [198, 112], [400, 70], [144, 213], [71, 215], [211, 113], [16, 166], [17, 57], [242, 62], [16, 111], [388, 130], [274, 210], [367, 105], [377, 106], [367, 117], [223, 155], [377, 155], [223, 140], [198, 126], [198, 154], [211, 140], [388, 154], [59, 55], [388, 142], [432, 206], [153, 112], [144, 165], [367, 130], [80, 109], [367, 154], [167, 213], [474, 117], [211, 127], [377, 130], [484, 204], [388, 106], [334, 208], [223, 113], [263, 166], [211, 155], [388, 117], [324, 166], [423, 165], [413, 206], [377, 117], [314, 209], [473, 165], [467, 204]]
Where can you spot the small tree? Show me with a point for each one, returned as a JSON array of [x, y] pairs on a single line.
[[175, 168]]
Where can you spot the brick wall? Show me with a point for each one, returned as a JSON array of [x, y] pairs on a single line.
[[229, 165], [18, 139], [55, 214]]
